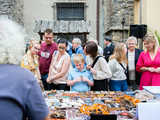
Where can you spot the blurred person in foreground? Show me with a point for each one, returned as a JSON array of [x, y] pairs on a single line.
[[20, 95], [133, 76], [149, 62]]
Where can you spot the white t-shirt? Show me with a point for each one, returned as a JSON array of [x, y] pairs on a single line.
[[131, 65]]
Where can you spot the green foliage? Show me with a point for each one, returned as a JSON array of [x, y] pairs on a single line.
[[158, 36]]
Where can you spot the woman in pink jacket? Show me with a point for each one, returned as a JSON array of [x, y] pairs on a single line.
[[149, 63]]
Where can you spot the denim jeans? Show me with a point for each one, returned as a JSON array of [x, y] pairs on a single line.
[[118, 85]]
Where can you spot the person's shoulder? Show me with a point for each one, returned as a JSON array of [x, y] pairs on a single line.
[[43, 44], [73, 71], [25, 72], [20, 75], [138, 50], [79, 48], [113, 60], [54, 44], [101, 58], [67, 55]]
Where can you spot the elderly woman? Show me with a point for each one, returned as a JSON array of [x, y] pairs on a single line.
[[149, 62], [19, 90], [133, 76], [76, 49], [59, 67]]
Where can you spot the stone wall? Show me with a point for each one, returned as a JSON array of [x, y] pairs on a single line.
[[115, 12], [12, 9]]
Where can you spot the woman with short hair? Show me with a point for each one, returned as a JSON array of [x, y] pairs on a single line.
[[133, 76]]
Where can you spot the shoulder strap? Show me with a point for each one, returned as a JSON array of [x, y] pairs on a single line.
[[94, 62], [122, 66], [55, 52]]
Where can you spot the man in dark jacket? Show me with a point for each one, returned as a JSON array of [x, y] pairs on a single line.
[[108, 50]]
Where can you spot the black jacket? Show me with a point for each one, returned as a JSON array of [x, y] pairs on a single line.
[[108, 51], [138, 74]]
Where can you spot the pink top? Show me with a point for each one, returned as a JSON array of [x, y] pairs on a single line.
[[149, 78], [58, 70]]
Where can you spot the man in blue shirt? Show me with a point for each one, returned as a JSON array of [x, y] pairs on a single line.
[[20, 95]]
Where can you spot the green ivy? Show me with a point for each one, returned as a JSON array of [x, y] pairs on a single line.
[[158, 36]]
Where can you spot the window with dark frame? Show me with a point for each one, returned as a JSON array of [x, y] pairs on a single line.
[[70, 11]]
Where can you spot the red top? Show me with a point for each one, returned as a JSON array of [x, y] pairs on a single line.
[[45, 56]]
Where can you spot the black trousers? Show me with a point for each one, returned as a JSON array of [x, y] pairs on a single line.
[[132, 85], [100, 85], [62, 87], [45, 84]]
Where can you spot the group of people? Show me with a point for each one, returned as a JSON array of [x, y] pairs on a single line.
[[117, 68], [76, 69]]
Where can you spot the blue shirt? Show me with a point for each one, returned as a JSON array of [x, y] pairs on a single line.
[[20, 95], [78, 50], [80, 86]]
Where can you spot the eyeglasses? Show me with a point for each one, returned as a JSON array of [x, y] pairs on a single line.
[[78, 64], [62, 48]]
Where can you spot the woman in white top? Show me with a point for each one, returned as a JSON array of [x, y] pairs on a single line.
[[100, 69], [59, 67], [118, 67]]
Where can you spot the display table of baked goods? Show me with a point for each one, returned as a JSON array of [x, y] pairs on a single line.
[[66, 105]]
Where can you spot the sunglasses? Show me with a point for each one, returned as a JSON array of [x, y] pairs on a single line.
[[61, 48]]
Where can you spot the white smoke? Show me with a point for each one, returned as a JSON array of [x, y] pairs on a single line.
[[12, 42]]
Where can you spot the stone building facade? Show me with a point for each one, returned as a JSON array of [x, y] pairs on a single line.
[[52, 14], [119, 14], [12, 9]]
